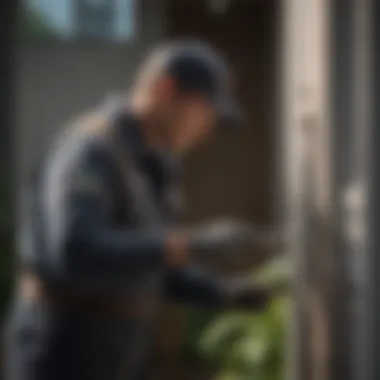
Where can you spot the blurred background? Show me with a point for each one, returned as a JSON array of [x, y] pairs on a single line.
[[306, 74]]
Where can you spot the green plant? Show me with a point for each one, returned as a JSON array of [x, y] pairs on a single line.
[[250, 345]]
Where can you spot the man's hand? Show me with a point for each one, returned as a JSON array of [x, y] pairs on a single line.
[[177, 249], [242, 295], [228, 235], [220, 236], [224, 235]]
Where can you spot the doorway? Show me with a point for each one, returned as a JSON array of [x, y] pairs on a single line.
[[235, 174], [240, 163]]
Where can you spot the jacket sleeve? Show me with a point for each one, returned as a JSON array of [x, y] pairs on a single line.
[[194, 286], [89, 244]]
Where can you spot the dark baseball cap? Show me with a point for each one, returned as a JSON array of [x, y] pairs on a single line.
[[199, 68]]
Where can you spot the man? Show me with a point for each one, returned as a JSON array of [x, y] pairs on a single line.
[[100, 243]]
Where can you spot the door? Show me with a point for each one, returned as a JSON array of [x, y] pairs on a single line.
[[236, 173]]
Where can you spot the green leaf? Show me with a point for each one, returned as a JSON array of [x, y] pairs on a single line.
[[251, 346]]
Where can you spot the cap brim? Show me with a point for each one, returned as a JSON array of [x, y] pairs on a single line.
[[230, 113]]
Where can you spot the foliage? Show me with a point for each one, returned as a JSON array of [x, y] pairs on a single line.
[[249, 345]]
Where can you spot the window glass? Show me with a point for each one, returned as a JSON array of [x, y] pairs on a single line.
[[68, 20]]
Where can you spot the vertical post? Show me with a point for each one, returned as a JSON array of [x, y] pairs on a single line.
[[372, 121], [293, 181], [319, 271], [356, 225], [7, 43], [308, 183], [8, 18], [341, 63], [8, 29]]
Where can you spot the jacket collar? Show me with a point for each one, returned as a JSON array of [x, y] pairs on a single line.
[[128, 127]]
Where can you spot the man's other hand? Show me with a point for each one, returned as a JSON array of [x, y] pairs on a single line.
[[229, 235], [176, 249], [245, 295]]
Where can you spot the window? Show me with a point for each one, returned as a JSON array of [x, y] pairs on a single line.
[[68, 20]]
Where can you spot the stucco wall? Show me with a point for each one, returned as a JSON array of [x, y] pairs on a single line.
[[54, 81]]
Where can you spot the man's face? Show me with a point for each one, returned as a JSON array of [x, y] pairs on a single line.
[[193, 122], [189, 119]]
